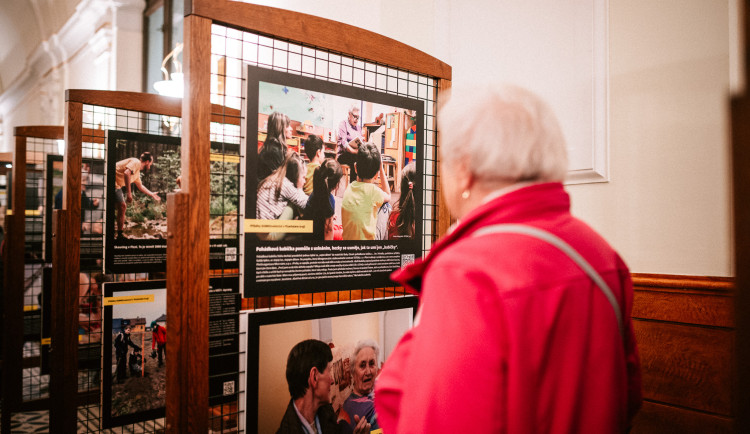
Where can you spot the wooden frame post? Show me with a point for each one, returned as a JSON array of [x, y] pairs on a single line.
[[188, 244], [13, 262], [66, 266], [443, 215]]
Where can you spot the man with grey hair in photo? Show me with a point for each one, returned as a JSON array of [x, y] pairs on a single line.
[[524, 321], [364, 368], [348, 138]]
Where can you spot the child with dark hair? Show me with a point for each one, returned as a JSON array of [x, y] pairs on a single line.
[[321, 206], [315, 151], [280, 190], [363, 199], [271, 155], [401, 220]]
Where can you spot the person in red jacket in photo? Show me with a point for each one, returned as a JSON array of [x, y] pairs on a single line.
[[158, 342]]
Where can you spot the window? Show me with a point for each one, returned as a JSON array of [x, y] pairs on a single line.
[[163, 22]]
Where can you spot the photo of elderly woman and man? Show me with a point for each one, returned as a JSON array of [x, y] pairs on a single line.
[[321, 373], [347, 194]]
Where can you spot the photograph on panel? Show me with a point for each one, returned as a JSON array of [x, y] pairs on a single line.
[[332, 359], [336, 170], [141, 170], [134, 349], [92, 203]]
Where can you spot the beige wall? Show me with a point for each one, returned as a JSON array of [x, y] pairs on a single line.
[[667, 205], [91, 44], [666, 208]]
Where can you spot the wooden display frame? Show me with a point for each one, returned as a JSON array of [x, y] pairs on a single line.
[[66, 237], [14, 265], [187, 394]]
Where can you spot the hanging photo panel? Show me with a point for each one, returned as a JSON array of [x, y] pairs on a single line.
[[334, 184], [272, 335], [141, 170]]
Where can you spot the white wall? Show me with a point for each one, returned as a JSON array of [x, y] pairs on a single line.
[[99, 47], [666, 207]]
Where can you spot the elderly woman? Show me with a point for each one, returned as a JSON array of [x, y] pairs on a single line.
[[364, 369], [524, 319]]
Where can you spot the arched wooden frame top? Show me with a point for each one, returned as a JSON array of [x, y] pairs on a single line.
[[320, 32]]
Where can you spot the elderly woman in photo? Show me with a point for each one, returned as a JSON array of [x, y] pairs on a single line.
[[524, 318], [364, 368], [309, 377]]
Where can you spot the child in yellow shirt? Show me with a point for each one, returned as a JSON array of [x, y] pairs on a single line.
[[315, 152], [362, 198]]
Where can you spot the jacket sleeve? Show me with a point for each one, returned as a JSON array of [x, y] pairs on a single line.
[[293, 194], [451, 375]]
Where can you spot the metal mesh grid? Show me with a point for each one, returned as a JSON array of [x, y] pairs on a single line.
[[231, 48], [35, 383], [96, 120], [224, 201]]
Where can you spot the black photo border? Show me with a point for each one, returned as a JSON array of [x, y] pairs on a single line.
[[109, 421], [218, 258], [258, 319], [409, 247], [159, 245]]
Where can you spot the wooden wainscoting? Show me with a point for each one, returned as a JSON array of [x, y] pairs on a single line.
[[686, 336]]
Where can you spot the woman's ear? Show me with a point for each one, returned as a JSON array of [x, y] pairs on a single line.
[[463, 177]]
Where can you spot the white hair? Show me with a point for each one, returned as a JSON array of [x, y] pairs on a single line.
[[354, 108], [502, 134], [364, 343]]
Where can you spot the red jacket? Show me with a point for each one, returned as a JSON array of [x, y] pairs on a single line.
[[511, 335], [158, 336]]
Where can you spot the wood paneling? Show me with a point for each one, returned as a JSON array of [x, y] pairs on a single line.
[[320, 32], [684, 307], [687, 366], [684, 327], [664, 419], [740, 130]]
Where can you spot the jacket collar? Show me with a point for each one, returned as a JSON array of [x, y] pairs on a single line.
[[515, 205]]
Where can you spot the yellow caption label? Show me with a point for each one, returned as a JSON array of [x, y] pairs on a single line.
[[256, 226], [33, 212], [46, 341], [225, 158], [10, 212], [128, 299]]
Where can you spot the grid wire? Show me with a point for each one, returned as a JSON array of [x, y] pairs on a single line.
[[231, 48]]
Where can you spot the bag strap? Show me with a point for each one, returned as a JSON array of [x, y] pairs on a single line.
[[565, 248]]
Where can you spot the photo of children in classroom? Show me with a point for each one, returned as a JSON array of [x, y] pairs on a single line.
[[346, 166]]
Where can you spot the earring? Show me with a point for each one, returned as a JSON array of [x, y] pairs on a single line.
[[465, 195]]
